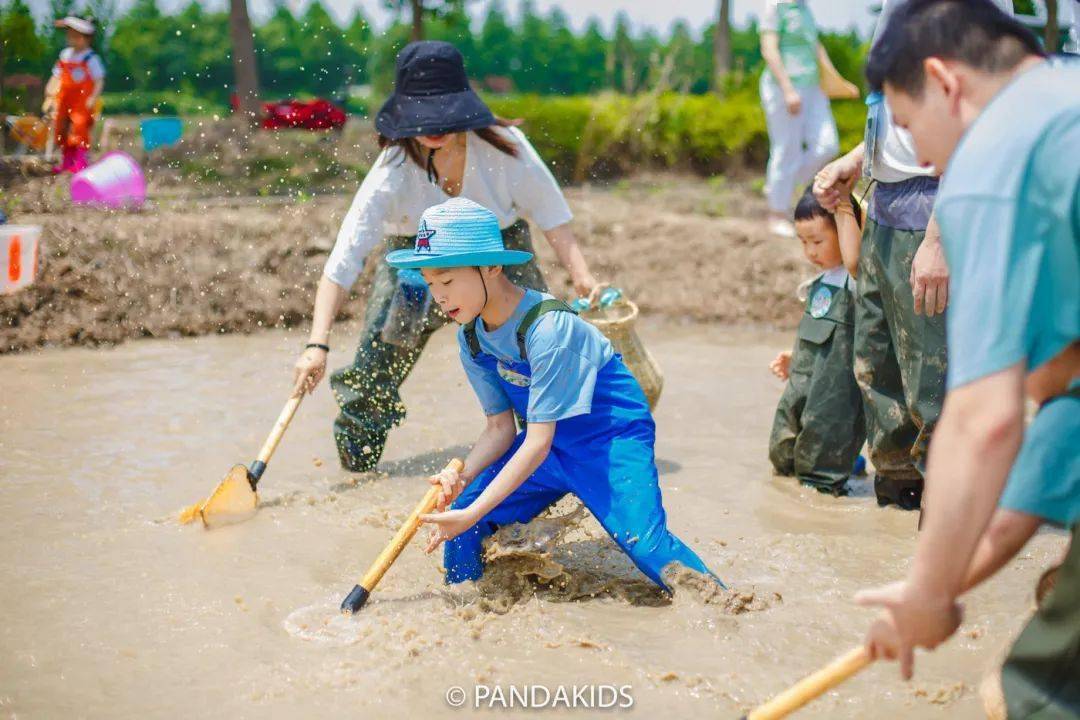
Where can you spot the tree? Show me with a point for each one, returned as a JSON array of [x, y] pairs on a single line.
[[498, 47], [243, 57], [591, 54], [136, 57], [358, 39], [21, 50], [323, 51], [721, 43], [620, 62]]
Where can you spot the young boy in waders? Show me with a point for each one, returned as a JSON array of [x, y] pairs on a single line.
[[79, 78], [589, 431], [818, 428]]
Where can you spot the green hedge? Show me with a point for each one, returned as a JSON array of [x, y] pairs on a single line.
[[134, 102], [608, 134]]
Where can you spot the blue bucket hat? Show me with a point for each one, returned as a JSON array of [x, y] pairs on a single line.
[[457, 233]]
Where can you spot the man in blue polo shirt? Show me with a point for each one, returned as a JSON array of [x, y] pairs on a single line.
[[984, 105]]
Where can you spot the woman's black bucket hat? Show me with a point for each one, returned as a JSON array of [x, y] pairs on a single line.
[[431, 94]]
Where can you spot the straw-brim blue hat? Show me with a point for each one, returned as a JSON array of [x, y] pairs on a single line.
[[457, 233]]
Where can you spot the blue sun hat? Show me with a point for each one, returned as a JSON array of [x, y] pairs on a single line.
[[457, 233]]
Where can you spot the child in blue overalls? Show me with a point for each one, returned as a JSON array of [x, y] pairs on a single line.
[[588, 427]]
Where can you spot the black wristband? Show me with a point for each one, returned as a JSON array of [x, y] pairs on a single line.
[[317, 345]]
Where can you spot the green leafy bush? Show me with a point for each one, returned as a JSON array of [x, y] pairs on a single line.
[[137, 102], [610, 134]]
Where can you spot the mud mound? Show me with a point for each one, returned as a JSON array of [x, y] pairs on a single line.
[[565, 556], [209, 264]]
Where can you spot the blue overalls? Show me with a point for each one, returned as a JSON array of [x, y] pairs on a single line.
[[605, 458]]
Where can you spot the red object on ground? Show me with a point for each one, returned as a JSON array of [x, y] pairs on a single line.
[[306, 115]]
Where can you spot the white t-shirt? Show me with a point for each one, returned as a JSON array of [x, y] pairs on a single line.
[[396, 192], [894, 158], [97, 68]]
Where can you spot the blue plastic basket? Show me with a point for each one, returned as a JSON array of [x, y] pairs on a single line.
[[160, 132]]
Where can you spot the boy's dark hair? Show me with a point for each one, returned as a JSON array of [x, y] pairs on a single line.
[[808, 208], [975, 32]]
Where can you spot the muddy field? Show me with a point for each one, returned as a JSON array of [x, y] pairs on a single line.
[[113, 610], [234, 240]]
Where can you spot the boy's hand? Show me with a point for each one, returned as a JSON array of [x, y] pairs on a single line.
[[781, 365], [911, 618], [452, 483], [447, 525]]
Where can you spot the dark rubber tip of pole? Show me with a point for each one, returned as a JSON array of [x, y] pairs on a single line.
[[354, 601], [255, 472]]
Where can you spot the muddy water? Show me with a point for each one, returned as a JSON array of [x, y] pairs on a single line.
[[110, 609]]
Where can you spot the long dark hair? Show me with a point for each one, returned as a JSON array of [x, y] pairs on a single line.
[[412, 149]]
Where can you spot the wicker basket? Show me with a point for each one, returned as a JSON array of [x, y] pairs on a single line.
[[617, 324]]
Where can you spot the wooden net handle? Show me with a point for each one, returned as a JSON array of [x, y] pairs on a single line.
[[280, 426], [405, 533], [811, 687]]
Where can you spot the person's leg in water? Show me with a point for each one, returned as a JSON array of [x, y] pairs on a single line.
[[629, 505], [891, 433], [833, 427], [787, 424], [920, 345], [367, 390], [463, 557]]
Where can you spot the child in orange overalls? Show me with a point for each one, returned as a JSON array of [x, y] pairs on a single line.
[[80, 77]]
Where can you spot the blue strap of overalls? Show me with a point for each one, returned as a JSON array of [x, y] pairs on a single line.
[[541, 308]]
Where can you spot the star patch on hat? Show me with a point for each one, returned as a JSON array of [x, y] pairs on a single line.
[[423, 237]]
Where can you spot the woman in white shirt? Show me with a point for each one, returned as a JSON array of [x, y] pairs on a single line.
[[439, 140]]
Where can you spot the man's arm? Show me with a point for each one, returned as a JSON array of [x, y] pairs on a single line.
[[1008, 532]]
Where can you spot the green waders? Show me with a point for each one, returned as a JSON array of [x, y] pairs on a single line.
[[367, 390], [899, 364], [1041, 676], [818, 428]]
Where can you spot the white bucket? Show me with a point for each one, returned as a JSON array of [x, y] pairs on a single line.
[[20, 247]]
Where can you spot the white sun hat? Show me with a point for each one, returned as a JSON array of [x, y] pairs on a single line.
[[78, 24]]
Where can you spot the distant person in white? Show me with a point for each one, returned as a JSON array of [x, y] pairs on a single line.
[[802, 132]]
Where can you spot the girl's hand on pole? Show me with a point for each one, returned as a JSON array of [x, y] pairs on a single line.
[[451, 484], [447, 526], [309, 370]]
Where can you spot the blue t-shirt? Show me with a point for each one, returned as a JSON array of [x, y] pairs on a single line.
[[565, 354], [1009, 212], [1014, 287]]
